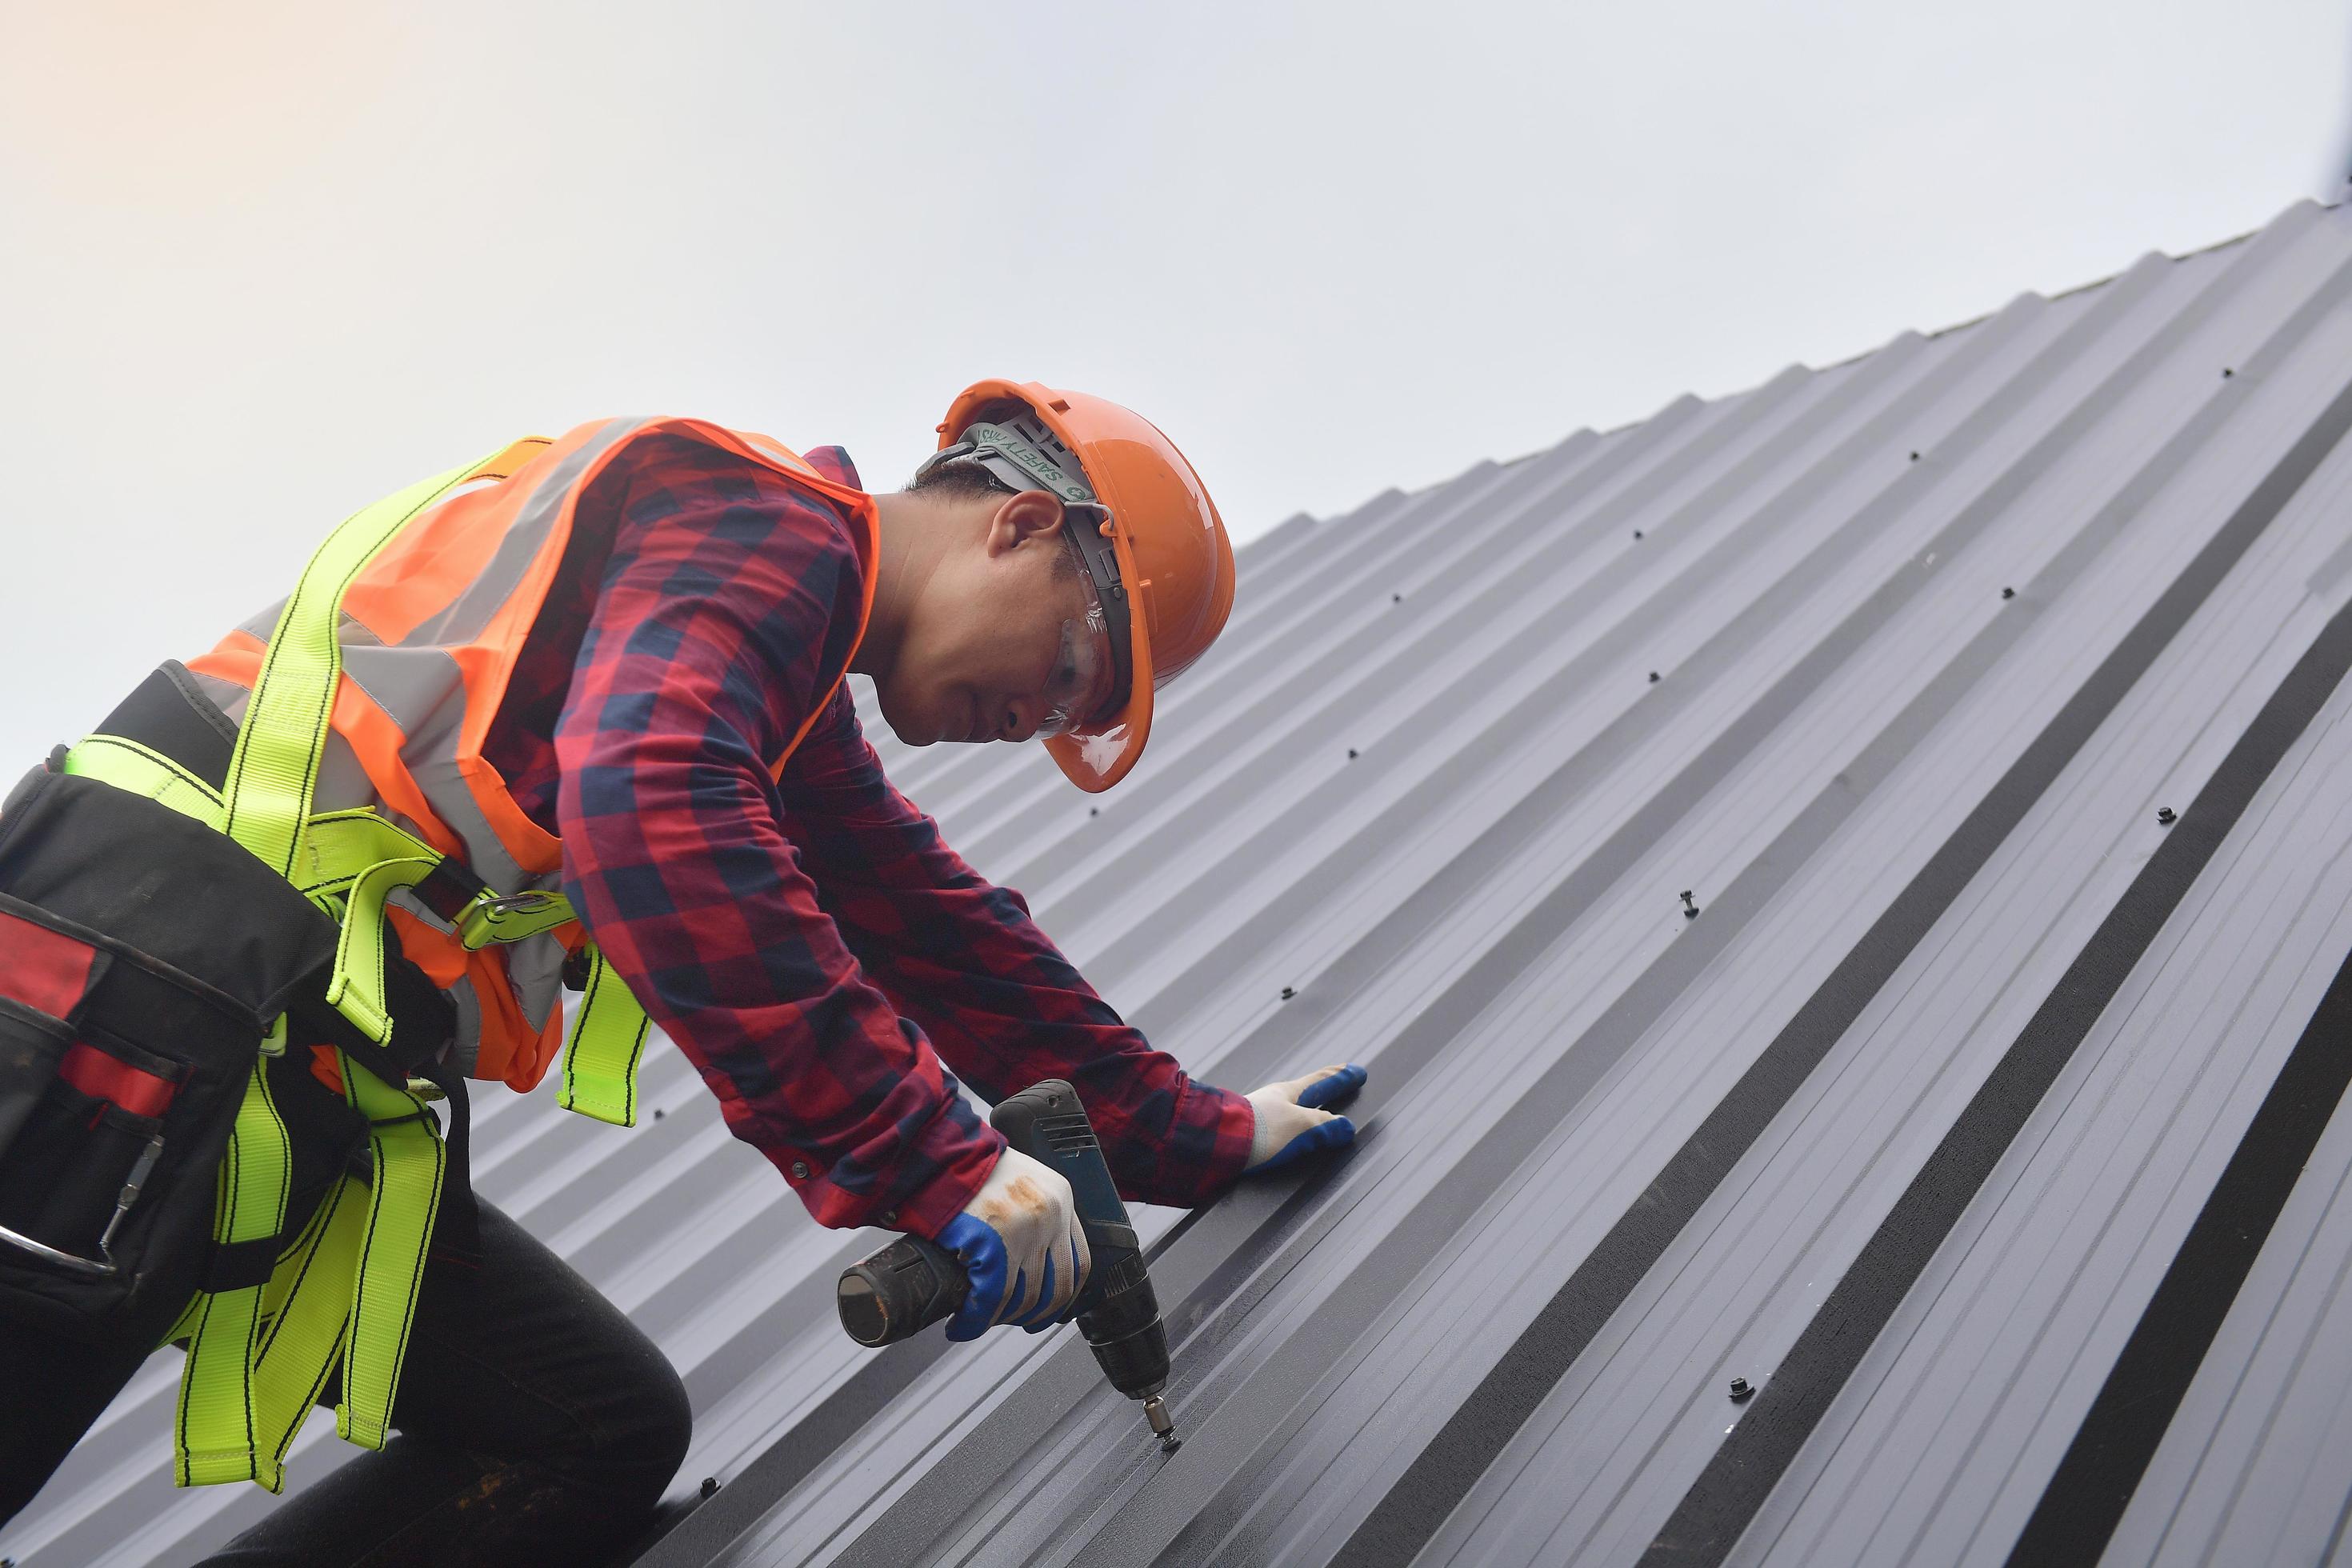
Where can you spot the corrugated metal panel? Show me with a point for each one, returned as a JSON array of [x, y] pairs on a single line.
[[1939, 1123]]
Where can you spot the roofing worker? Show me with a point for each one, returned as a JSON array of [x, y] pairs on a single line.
[[576, 715]]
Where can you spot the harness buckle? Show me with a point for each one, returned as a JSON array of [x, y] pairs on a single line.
[[510, 917]]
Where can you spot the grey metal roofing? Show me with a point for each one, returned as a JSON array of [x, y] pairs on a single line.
[[1985, 692]]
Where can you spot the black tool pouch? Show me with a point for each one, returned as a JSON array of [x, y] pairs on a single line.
[[142, 957]]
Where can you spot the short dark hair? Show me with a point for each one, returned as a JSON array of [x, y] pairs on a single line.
[[956, 481], [970, 481]]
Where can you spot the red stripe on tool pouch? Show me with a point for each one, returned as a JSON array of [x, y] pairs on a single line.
[[96, 1074], [43, 968]]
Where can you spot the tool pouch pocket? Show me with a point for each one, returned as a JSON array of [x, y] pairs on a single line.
[[74, 1123], [142, 957]]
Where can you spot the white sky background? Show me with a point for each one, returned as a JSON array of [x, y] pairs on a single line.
[[261, 263]]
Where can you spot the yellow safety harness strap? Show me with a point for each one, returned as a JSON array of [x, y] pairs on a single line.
[[213, 1436], [355, 987], [306, 1303], [140, 769], [608, 1039], [341, 846], [259, 1357], [402, 1201], [274, 772]]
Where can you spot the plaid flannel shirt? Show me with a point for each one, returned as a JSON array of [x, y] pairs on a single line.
[[810, 943]]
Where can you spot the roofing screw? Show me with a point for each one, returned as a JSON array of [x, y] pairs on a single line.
[[1915, 457], [2227, 373], [1287, 992], [1396, 598], [1690, 910], [1637, 533], [1653, 678], [2164, 815], [800, 1170], [1741, 1389], [710, 1485], [1093, 810], [1351, 754], [658, 1113], [2008, 593]]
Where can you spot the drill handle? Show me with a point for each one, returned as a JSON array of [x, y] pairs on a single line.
[[1046, 1123]]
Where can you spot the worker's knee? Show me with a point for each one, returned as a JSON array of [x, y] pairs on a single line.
[[646, 1444], [671, 1420]]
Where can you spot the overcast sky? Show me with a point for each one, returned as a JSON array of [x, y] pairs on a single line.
[[260, 264]]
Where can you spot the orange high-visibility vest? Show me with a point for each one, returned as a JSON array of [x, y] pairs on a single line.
[[430, 632]]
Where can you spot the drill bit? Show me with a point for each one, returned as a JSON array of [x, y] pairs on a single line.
[[1163, 1427]]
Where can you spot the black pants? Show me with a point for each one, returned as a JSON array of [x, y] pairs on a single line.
[[535, 1424]]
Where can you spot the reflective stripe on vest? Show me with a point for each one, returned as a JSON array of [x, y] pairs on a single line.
[[429, 636]]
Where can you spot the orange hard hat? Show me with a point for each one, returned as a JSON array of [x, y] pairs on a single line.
[[1172, 584]]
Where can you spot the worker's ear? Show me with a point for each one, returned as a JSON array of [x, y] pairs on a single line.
[[1032, 514]]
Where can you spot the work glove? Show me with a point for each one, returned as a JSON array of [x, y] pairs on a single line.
[[1021, 1247], [1292, 1122]]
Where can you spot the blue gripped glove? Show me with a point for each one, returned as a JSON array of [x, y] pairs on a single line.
[[1292, 1122], [1021, 1226]]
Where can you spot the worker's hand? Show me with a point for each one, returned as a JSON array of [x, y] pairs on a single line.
[[1021, 1247], [1292, 1122]]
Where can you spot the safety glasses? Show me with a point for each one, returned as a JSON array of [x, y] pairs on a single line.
[[1080, 688]]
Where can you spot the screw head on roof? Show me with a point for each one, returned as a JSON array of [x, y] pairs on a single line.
[[1915, 457], [709, 1486], [1351, 754], [1396, 598], [2008, 593], [1093, 810], [658, 1113], [1690, 910], [1637, 533], [2227, 373], [1287, 992], [1653, 678], [1741, 1389], [2165, 816]]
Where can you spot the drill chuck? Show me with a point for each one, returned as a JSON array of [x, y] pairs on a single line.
[[1123, 1329]]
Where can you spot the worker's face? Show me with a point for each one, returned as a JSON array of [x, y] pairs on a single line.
[[999, 640]]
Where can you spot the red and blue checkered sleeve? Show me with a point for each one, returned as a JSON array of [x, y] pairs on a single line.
[[727, 596], [962, 957]]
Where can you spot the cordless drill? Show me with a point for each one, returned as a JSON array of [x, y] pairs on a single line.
[[913, 1283]]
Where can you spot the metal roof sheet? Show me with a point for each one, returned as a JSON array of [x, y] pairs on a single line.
[[1950, 1121]]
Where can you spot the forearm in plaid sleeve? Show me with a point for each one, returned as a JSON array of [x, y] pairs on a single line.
[[963, 958]]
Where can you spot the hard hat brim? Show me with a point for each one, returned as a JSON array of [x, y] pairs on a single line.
[[1097, 757]]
